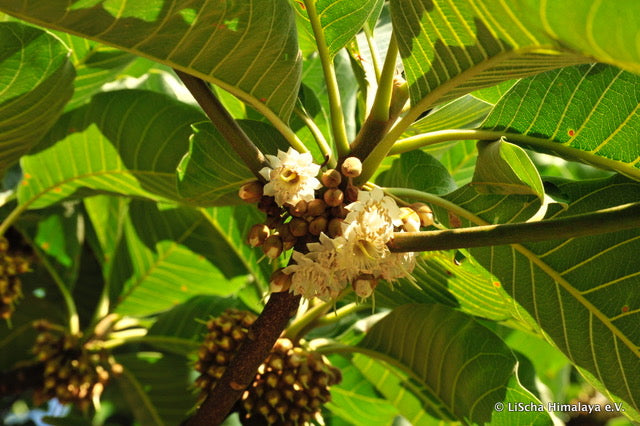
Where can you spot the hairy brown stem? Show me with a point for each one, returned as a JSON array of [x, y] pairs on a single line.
[[21, 379], [242, 369]]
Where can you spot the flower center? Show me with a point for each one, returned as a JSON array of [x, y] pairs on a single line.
[[289, 176], [367, 249]]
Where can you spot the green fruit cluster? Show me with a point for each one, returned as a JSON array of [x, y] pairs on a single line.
[[291, 385], [10, 285]]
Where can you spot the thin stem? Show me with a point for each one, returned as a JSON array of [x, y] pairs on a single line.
[[13, 216], [335, 106], [599, 222], [226, 125], [317, 135], [341, 313], [431, 138], [379, 120], [74, 319], [297, 327], [375, 60]]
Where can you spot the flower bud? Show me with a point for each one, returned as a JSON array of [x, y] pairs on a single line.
[[331, 178], [272, 246], [4, 245], [334, 228], [280, 281], [298, 227], [251, 192], [352, 193], [285, 233], [257, 235], [318, 225], [352, 167], [424, 212], [299, 210], [316, 207], [410, 219], [364, 285], [333, 197]]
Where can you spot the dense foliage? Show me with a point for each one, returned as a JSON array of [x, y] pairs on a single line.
[[125, 236]]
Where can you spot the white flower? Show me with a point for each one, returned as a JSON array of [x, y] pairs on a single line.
[[291, 177]]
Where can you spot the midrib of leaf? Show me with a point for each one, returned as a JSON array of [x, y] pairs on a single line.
[[142, 396], [245, 97]]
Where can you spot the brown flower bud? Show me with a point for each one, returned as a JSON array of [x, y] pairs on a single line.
[[298, 227], [272, 246], [352, 193], [316, 207], [251, 192], [352, 167], [331, 178], [333, 197], [364, 285], [299, 210], [279, 281], [318, 225], [257, 235], [424, 212], [334, 228]]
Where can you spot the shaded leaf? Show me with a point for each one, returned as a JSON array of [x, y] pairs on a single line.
[[248, 48], [36, 80], [155, 386], [174, 254], [460, 160], [581, 291], [504, 168], [442, 356], [417, 170], [211, 173], [589, 113], [126, 142], [463, 113]]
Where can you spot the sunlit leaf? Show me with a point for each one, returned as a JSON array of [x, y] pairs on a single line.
[[589, 113]]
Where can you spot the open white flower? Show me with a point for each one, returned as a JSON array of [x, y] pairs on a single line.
[[291, 177]]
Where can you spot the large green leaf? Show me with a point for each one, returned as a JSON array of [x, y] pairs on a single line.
[[174, 254], [469, 45], [126, 142], [95, 65], [155, 387], [340, 20], [36, 80], [211, 173], [441, 357], [246, 47], [417, 170], [582, 292], [588, 112], [463, 113], [604, 29]]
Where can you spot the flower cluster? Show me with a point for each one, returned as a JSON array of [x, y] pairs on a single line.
[[339, 232]]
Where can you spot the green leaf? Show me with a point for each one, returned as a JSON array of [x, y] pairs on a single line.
[[156, 387], [469, 46], [174, 254], [417, 170], [504, 168], [356, 400], [460, 160], [36, 80], [582, 292], [126, 142], [95, 65], [442, 357], [602, 29], [248, 48], [589, 113], [466, 112], [211, 173], [341, 20]]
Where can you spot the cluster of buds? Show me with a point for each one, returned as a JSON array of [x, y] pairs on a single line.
[[291, 385], [10, 285], [72, 373], [340, 232]]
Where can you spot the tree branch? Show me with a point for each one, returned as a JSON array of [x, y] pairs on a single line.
[[602, 221], [242, 369], [226, 125]]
